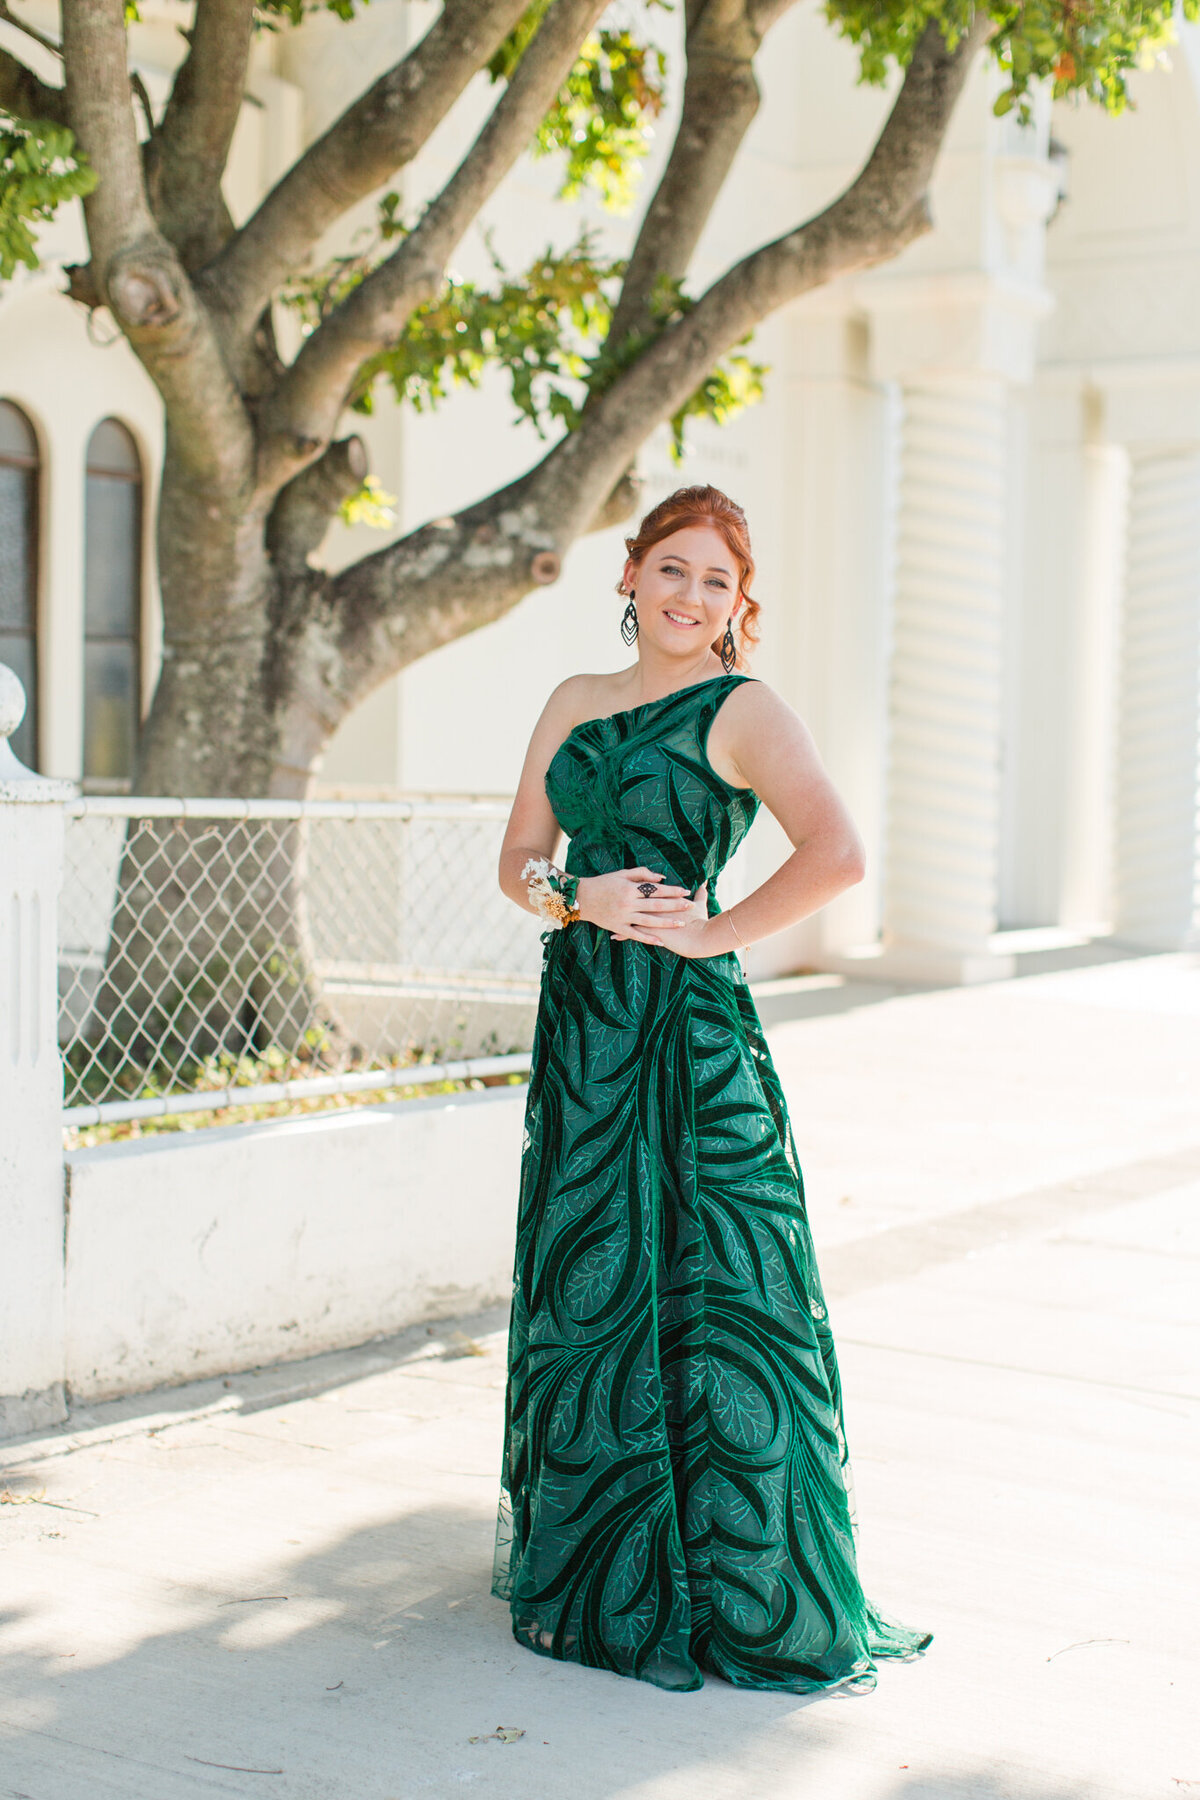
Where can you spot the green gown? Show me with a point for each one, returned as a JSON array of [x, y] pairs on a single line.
[[676, 1493]]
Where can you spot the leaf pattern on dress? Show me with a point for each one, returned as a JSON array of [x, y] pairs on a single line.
[[676, 1489]]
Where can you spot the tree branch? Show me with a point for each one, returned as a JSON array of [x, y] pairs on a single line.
[[885, 208], [142, 94], [720, 99], [101, 116], [188, 152], [459, 573], [301, 515], [618, 503], [25, 95], [137, 273], [378, 134], [305, 407], [763, 13]]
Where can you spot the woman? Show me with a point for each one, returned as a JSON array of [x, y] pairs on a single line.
[[676, 1484]]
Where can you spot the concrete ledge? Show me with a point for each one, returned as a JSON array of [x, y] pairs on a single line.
[[922, 965], [204, 1253], [34, 1410]]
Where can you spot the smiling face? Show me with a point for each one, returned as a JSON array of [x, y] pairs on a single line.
[[687, 587]]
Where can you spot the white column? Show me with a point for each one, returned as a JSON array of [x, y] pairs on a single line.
[[31, 1162], [1098, 548], [838, 556], [952, 326], [1066, 556], [955, 346], [1157, 855], [942, 871]]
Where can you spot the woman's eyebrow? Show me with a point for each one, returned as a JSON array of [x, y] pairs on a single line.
[[712, 569]]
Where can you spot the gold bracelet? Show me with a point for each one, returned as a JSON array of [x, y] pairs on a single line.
[[742, 944]]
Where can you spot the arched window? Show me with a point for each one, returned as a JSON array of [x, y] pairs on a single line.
[[19, 472], [112, 605]]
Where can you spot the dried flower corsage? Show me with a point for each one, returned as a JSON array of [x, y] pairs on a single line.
[[551, 892]]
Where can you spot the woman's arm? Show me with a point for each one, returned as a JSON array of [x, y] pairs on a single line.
[[611, 901], [757, 741], [533, 831]]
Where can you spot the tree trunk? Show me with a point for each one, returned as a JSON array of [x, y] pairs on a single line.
[[209, 732], [210, 951]]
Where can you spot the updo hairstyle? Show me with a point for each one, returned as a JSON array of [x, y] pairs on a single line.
[[705, 506]]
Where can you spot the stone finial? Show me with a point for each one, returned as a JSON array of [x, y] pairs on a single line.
[[16, 781], [12, 701]]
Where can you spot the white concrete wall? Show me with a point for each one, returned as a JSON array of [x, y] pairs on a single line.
[[217, 1250]]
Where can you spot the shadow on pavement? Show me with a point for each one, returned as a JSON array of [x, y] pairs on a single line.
[[378, 1667], [375, 1668]]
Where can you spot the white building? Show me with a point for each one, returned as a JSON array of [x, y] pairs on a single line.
[[974, 487]]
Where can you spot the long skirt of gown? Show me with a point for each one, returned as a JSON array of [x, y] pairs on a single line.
[[676, 1494]]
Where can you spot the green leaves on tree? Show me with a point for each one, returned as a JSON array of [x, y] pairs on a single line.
[[369, 504], [733, 384], [270, 13], [540, 328], [39, 169], [1083, 47], [602, 119], [545, 329]]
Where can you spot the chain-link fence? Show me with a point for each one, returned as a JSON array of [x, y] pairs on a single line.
[[201, 941]]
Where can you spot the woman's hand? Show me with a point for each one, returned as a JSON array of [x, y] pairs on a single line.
[[688, 933], [616, 904]]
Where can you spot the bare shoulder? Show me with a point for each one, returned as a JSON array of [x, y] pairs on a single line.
[[564, 698], [582, 697], [753, 710], [755, 728]]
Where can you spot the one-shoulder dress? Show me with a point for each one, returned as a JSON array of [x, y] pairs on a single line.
[[676, 1495]]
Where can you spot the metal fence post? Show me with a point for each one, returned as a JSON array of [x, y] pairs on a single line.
[[32, 1360]]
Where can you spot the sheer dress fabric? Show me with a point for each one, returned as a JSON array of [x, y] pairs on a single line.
[[676, 1488]]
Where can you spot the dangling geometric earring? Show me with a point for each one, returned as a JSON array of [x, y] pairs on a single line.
[[728, 647], [629, 622]]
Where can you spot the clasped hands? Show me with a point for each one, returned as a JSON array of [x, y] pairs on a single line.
[[668, 917]]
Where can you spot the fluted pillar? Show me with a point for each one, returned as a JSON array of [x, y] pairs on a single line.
[[1157, 850], [952, 331], [31, 1162], [942, 860]]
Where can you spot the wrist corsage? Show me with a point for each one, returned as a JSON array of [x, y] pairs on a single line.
[[551, 892]]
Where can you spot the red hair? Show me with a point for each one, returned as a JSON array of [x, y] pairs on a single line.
[[704, 506]]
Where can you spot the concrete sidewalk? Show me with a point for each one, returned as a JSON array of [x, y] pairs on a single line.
[[278, 1584]]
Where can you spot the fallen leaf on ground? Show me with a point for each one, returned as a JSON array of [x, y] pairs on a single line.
[[503, 1734]]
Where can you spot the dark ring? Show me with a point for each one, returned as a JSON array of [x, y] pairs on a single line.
[[646, 888]]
